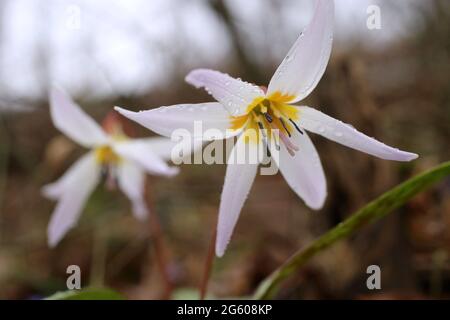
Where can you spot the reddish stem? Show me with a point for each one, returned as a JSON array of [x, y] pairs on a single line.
[[159, 245], [208, 263]]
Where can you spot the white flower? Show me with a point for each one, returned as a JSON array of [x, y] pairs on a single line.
[[112, 154], [242, 106]]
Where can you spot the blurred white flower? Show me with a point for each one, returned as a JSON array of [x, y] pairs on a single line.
[[113, 155], [8, 105], [243, 106]]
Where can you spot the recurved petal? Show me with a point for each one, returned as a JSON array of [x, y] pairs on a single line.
[[238, 181], [205, 121], [234, 94], [132, 182], [160, 146], [56, 189], [71, 120], [72, 191], [163, 147], [305, 64], [335, 130], [303, 172]]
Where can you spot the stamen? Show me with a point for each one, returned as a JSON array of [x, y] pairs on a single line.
[[289, 145], [261, 128], [277, 144], [265, 140], [268, 117], [291, 152], [284, 126], [283, 138], [269, 154], [263, 132], [296, 126]]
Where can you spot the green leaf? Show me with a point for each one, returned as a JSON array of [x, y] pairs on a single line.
[[87, 294], [375, 210]]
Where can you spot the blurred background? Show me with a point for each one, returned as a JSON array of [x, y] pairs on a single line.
[[391, 83]]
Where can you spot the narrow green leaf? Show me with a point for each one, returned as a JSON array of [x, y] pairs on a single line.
[[375, 210], [87, 294]]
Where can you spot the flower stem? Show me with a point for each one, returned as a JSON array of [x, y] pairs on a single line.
[[4, 162], [208, 263], [373, 211], [98, 262], [159, 246]]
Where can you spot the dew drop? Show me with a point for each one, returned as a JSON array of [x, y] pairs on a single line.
[[290, 57]]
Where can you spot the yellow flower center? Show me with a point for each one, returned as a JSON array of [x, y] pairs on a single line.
[[267, 118], [106, 156]]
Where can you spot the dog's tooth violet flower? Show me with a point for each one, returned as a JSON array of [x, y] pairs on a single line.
[[112, 156], [243, 106]]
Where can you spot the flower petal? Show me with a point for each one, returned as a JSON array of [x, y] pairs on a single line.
[[73, 190], [234, 94], [303, 171], [132, 182], [70, 119], [56, 189], [335, 130], [238, 181], [163, 148], [140, 152], [160, 146], [197, 119], [307, 60]]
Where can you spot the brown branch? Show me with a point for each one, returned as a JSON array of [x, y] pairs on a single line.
[[249, 67]]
